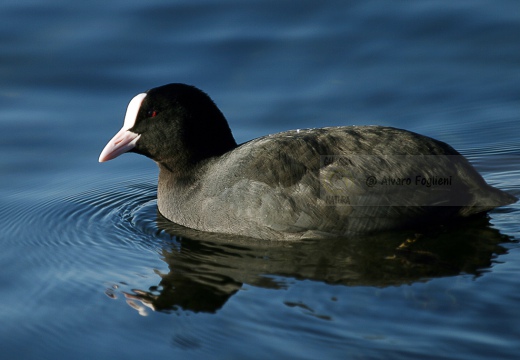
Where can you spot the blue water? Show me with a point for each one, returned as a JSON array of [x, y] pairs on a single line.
[[89, 271]]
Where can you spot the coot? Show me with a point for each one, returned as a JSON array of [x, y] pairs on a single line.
[[313, 183]]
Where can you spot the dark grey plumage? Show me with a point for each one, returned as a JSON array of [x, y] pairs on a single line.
[[302, 183]]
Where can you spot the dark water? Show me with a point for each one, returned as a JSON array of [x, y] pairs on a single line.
[[90, 271]]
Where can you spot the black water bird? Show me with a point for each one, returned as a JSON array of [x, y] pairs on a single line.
[[313, 183]]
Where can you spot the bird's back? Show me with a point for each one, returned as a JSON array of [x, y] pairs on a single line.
[[333, 182]]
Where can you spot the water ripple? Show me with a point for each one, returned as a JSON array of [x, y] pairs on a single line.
[[82, 230]]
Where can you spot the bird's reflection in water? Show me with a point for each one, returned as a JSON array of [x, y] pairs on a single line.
[[205, 270]]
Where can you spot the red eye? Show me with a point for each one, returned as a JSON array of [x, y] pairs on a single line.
[[152, 113]]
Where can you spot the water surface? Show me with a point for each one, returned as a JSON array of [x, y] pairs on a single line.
[[91, 271]]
